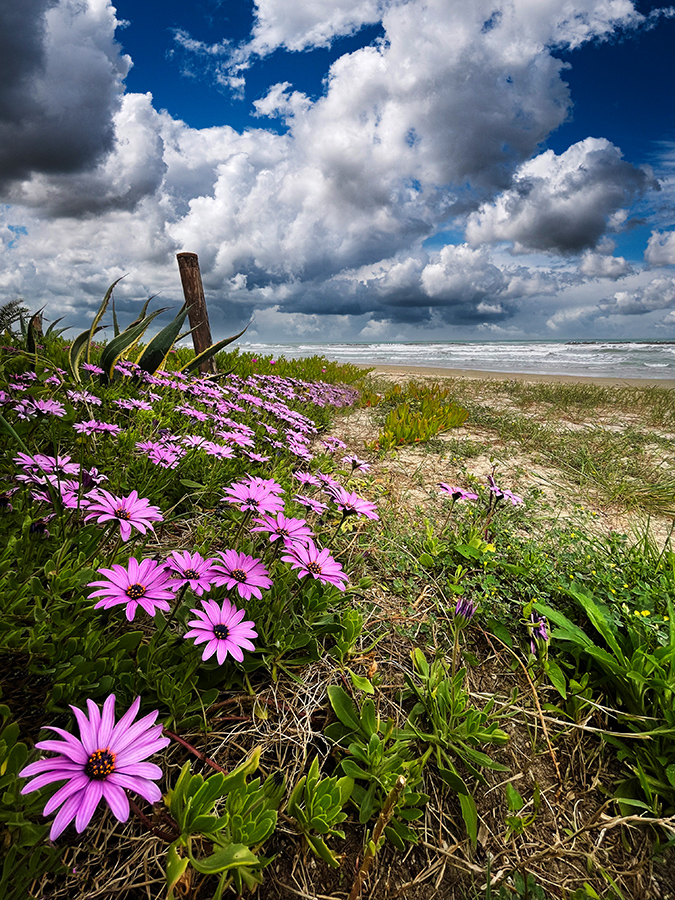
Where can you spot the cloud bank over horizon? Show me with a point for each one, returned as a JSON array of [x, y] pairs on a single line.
[[412, 197]]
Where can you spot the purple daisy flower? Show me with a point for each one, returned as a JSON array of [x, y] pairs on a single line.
[[351, 504], [315, 505], [317, 563], [106, 760], [131, 511], [307, 478], [192, 569], [503, 494], [457, 493], [290, 530], [223, 629], [146, 583], [358, 465], [244, 572], [255, 497]]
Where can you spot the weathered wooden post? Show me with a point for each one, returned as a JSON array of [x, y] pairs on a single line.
[[198, 315]]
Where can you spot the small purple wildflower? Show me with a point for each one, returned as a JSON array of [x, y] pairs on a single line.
[[538, 628], [131, 511], [222, 629], [291, 531], [503, 494], [315, 505], [358, 465], [106, 760], [350, 504], [192, 569], [255, 497], [240, 571], [465, 610], [147, 584], [457, 493], [309, 560]]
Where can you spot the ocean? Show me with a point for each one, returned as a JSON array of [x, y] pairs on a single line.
[[605, 359]]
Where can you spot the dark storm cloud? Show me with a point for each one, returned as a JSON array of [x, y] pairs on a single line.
[[60, 86]]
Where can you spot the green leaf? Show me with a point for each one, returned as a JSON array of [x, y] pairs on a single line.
[[318, 845], [209, 352], [93, 328], [361, 683], [155, 354], [175, 869], [556, 677], [77, 348], [116, 325], [453, 780], [514, 799], [125, 341], [232, 857], [50, 331], [470, 816], [130, 640], [343, 707]]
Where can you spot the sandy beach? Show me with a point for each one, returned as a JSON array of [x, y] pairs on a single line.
[[436, 372]]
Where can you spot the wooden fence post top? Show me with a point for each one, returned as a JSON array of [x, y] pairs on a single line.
[[188, 259]]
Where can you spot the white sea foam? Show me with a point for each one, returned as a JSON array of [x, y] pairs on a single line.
[[610, 359]]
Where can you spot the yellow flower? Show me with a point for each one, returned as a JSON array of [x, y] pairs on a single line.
[[645, 612], [666, 618]]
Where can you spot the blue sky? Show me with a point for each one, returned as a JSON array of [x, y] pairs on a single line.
[[346, 169]]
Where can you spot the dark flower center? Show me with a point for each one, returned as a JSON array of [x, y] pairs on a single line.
[[135, 591], [123, 514], [283, 532], [314, 568], [222, 632], [100, 764], [191, 574], [238, 575]]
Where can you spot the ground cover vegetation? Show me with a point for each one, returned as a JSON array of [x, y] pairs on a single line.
[[241, 651]]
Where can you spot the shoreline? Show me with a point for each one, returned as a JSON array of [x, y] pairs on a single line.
[[536, 378]]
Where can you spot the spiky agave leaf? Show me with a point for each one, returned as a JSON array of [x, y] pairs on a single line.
[[155, 354], [34, 331], [99, 315], [209, 352], [76, 350], [50, 331]]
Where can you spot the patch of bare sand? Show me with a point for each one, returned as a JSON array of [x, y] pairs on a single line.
[[411, 474]]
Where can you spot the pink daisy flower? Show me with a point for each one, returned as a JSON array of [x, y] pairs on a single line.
[[103, 762], [244, 572], [192, 569], [255, 497], [351, 504], [309, 560], [131, 511], [290, 530], [147, 584], [222, 629], [457, 493]]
